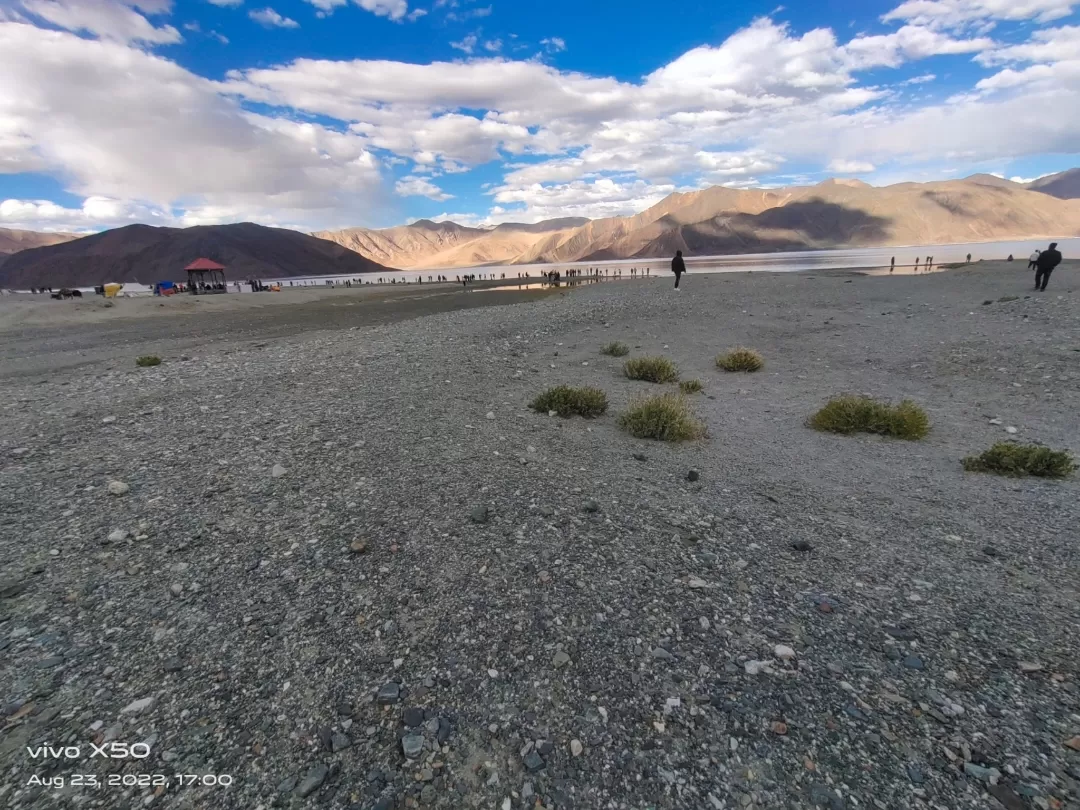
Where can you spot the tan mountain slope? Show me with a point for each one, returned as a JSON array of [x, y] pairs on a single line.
[[12, 241], [833, 214]]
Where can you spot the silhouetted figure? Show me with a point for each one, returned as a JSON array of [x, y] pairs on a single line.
[[917, 260], [969, 258], [1010, 258], [1033, 260], [929, 263], [1048, 260], [892, 264], [678, 267]]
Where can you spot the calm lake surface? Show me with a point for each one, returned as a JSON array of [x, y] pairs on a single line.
[[770, 262]]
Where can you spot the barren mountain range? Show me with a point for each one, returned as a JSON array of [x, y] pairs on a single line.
[[833, 214], [717, 220], [146, 254]]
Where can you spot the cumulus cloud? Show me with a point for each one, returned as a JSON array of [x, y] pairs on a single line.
[[554, 44], [268, 18], [841, 166], [95, 213], [466, 45], [1048, 45], [109, 19], [168, 139], [413, 186], [226, 3], [394, 9], [964, 13]]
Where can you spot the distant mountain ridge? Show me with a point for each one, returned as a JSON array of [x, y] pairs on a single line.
[[146, 254], [12, 241], [1065, 185], [836, 213]]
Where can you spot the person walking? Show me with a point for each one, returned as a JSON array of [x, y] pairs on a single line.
[[1033, 260], [678, 267], [1047, 261]]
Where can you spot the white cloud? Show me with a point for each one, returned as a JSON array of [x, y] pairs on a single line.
[[1048, 45], [95, 213], [962, 13], [923, 79], [416, 14], [466, 45], [554, 44], [911, 42], [412, 186], [493, 45], [841, 166], [604, 197], [226, 3], [268, 18], [108, 19], [168, 140], [394, 9]]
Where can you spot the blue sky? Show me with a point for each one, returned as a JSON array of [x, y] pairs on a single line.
[[334, 113]]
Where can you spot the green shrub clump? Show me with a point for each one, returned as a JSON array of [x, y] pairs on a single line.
[[666, 417], [147, 360], [567, 401], [741, 360], [651, 369], [1018, 460], [615, 349], [853, 414], [691, 386]]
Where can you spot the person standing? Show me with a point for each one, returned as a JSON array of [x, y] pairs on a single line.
[[678, 267], [1047, 261], [1033, 260]]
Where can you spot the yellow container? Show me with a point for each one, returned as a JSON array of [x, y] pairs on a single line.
[[112, 289]]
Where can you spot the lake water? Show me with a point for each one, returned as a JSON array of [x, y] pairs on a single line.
[[848, 258]]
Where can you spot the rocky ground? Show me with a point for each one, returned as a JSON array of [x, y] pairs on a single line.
[[350, 569]]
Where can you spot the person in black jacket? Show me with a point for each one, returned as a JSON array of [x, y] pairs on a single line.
[[1047, 261], [678, 267]]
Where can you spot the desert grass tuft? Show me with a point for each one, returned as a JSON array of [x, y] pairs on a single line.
[[666, 418], [147, 360], [651, 369], [567, 401], [691, 386], [854, 414], [1019, 460], [615, 349], [741, 359]]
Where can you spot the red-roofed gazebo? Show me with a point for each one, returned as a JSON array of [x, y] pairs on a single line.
[[206, 276]]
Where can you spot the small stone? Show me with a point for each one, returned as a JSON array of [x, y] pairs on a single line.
[[560, 660], [176, 589], [995, 421], [576, 748], [755, 667], [1030, 666], [1073, 742], [693, 475], [137, 706], [802, 545], [696, 583], [533, 762], [914, 662], [412, 745], [990, 775], [339, 742], [953, 676], [591, 506], [277, 471], [778, 727], [660, 654], [413, 716], [640, 457], [118, 488], [490, 415], [358, 546], [109, 420], [1011, 429], [783, 652], [915, 774], [118, 535], [990, 551], [388, 693], [312, 780], [479, 514]]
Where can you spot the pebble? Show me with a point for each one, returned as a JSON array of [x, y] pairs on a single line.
[[118, 535], [783, 652], [137, 706], [914, 662], [490, 415], [561, 659], [479, 514], [388, 693], [591, 506], [693, 475], [413, 716], [533, 762], [1011, 429], [660, 654], [755, 667], [576, 748], [412, 745], [312, 780], [1073, 742], [277, 471], [802, 545], [118, 488], [358, 546], [991, 775], [109, 420], [176, 589]]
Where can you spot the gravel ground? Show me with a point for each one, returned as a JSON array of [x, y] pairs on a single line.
[[349, 568]]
